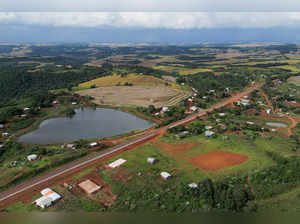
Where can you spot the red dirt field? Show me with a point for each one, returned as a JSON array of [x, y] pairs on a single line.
[[214, 161]]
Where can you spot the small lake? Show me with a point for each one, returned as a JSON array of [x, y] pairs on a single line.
[[87, 123], [276, 125]]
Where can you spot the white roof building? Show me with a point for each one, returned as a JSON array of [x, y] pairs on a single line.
[[32, 157], [117, 163], [193, 185], [165, 109], [5, 134], [93, 144], [26, 108], [49, 197], [74, 103], [207, 127], [250, 122], [165, 175], [209, 133], [194, 108], [268, 111], [222, 114], [1, 146], [151, 160], [1, 125]]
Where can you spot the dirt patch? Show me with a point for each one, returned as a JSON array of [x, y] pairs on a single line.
[[133, 95], [214, 161]]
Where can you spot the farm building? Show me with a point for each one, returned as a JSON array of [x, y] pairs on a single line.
[[193, 185], [5, 134], [165, 109], [93, 144], [32, 157], [165, 175], [209, 133], [194, 108], [151, 160], [89, 186], [117, 163], [49, 197]]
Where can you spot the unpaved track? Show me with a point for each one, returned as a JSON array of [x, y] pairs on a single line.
[[11, 195]]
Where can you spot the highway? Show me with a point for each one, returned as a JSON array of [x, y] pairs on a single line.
[[19, 190]]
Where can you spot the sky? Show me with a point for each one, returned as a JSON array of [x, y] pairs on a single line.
[[38, 19], [150, 5]]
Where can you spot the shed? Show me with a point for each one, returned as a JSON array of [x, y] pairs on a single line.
[[93, 144], [194, 108], [117, 163], [43, 202], [193, 185], [151, 160], [165, 175], [5, 134], [32, 157], [209, 133]]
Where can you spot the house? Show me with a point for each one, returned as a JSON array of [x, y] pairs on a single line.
[[1, 126], [49, 197], [74, 103], [117, 163], [23, 115], [268, 111], [204, 97], [293, 102], [209, 133], [250, 122], [193, 185], [246, 97], [183, 134], [165, 109], [222, 114], [157, 114], [151, 160], [194, 108], [5, 134], [227, 89], [26, 108], [32, 157], [190, 99], [1, 146], [165, 175], [54, 102], [93, 144]]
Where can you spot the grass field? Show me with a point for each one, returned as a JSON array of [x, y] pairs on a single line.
[[182, 71], [134, 79]]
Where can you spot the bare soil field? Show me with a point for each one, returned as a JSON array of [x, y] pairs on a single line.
[[214, 161], [134, 95]]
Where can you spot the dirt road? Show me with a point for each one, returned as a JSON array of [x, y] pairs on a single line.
[[42, 181]]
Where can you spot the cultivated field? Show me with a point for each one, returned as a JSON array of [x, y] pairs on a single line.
[[295, 80], [136, 95]]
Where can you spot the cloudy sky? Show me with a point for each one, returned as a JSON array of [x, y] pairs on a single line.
[[149, 5], [154, 20], [39, 20]]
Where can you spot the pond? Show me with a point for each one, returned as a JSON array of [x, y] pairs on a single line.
[[87, 123], [276, 125]]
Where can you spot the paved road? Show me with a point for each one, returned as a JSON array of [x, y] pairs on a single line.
[[19, 190]]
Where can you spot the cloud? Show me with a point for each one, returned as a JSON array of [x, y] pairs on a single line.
[[150, 5], [151, 20]]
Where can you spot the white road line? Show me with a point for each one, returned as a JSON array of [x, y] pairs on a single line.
[[76, 166]]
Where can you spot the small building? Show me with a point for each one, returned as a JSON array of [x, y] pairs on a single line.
[[193, 185], [273, 130], [93, 144], [227, 89], [54, 102], [246, 97], [190, 99], [165, 175], [1, 126], [32, 157], [204, 97], [165, 109], [222, 114], [151, 160], [183, 134], [5, 134], [1, 146], [209, 133], [26, 108], [293, 102], [74, 103], [49, 197], [71, 146], [117, 163], [89, 186], [250, 122], [268, 111], [23, 115], [194, 108], [157, 114]]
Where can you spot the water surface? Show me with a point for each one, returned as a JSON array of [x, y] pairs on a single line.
[[87, 123]]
